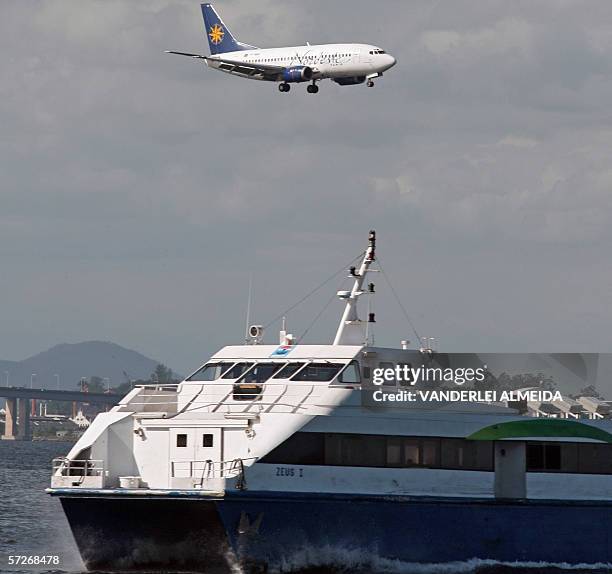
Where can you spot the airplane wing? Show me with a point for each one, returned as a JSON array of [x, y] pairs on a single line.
[[239, 68]]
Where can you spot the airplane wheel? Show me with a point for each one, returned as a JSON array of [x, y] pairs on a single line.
[[284, 87], [370, 84], [312, 89]]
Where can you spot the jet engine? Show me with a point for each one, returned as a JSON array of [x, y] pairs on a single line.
[[297, 74]]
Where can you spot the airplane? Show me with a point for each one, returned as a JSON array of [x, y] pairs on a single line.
[[345, 64]]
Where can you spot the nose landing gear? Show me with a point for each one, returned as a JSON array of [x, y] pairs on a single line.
[[284, 87]]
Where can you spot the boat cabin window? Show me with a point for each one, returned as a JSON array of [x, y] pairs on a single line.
[[288, 370], [350, 373], [181, 440], [319, 372], [380, 451], [571, 457], [542, 456], [207, 440], [210, 372], [464, 454], [384, 367], [237, 370], [260, 373]]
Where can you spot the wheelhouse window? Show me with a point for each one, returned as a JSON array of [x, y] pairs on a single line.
[[237, 370], [207, 440], [288, 370], [350, 374], [318, 372], [260, 373], [210, 372], [250, 385], [181, 440]]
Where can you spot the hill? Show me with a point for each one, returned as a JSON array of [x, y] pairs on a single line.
[[73, 361]]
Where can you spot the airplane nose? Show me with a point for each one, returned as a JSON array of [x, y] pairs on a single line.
[[392, 61]]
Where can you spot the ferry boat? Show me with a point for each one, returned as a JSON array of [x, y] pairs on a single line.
[[269, 452]]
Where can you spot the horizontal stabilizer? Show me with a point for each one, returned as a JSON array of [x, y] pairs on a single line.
[[187, 54]]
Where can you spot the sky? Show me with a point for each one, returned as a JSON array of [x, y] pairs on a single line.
[[139, 191]]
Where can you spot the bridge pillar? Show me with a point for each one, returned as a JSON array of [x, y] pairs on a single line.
[[23, 430], [9, 419]]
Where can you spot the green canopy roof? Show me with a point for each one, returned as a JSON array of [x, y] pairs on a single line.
[[544, 428]]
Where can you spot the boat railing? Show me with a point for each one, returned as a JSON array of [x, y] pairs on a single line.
[[237, 397], [202, 470], [162, 397], [69, 472]]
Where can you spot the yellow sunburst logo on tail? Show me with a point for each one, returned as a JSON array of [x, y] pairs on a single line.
[[216, 34]]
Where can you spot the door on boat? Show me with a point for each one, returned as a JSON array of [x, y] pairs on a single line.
[[208, 444], [195, 451]]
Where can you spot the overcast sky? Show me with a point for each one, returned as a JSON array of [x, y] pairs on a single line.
[[139, 190]]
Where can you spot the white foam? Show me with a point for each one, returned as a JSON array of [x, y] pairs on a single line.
[[356, 559]]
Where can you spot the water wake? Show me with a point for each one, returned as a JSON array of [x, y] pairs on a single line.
[[359, 561]]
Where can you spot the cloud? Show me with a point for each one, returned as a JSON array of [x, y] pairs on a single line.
[[140, 189]]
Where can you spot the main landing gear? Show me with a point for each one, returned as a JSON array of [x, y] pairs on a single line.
[[311, 88], [370, 83]]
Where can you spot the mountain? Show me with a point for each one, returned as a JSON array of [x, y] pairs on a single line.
[[73, 361]]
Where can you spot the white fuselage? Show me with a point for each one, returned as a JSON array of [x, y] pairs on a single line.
[[326, 60]]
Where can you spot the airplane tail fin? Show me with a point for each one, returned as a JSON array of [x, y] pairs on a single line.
[[220, 39]]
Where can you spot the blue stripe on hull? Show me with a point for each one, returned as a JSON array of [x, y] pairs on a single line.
[[155, 533], [421, 530]]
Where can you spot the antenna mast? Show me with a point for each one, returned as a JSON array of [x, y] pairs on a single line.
[[352, 330], [248, 310]]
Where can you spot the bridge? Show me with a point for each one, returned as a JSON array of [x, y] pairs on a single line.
[[19, 403]]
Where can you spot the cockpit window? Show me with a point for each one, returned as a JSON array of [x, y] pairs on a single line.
[[260, 373], [288, 370], [318, 372], [237, 370], [210, 372]]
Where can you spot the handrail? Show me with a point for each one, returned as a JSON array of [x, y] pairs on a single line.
[[210, 469], [220, 396], [63, 466], [156, 386]]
